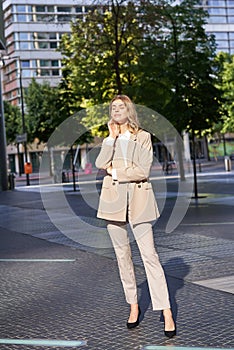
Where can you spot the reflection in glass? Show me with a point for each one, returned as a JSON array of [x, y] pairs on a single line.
[[21, 8], [21, 18], [221, 35], [217, 19]]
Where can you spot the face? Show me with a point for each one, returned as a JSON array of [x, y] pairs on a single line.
[[119, 112]]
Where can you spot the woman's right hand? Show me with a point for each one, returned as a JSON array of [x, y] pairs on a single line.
[[113, 129]]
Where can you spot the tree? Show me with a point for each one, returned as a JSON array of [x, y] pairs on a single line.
[[13, 121], [43, 113], [226, 85], [101, 55], [177, 32], [154, 51], [47, 109]]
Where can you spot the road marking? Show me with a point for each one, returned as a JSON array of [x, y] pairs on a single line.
[[158, 347], [44, 342], [37, 260], [209, 223]]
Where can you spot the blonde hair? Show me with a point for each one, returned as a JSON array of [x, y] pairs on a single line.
[[133, 122]]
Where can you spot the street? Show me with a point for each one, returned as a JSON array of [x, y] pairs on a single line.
[[55, 288]]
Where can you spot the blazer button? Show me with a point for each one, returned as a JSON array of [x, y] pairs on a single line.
[[113, 183], [139, 186]]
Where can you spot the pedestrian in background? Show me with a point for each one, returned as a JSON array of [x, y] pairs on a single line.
[[127, 197]]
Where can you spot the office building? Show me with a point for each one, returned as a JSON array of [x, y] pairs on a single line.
[[33, 29], [221, 23]]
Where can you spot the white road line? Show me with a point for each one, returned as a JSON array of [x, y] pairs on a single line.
[[158, 347], [209, 223], [44, 342], [37, 260]]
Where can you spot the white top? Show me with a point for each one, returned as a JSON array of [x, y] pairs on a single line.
[[123, 140]]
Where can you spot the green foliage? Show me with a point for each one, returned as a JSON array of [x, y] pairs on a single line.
[[42, 110], [101, 54], [47, 108], [193, 101], [13, 121], [156, 53], [226, 85]]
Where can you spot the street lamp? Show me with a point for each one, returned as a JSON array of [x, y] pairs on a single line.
[[3, 156], [24, 136]]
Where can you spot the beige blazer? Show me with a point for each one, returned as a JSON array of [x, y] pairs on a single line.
[[131, 197]]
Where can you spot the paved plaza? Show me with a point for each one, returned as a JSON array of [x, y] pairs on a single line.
[[57, 292]]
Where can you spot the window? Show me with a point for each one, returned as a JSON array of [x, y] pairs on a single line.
[[21, 18], [64, 9], [49, 63], [222, 44], [231, 19], [231, 35], [44, 63], [21, 8], [52, 35], [64, 18], [45, 40], [42, 18], [40, 8], [24, 45], [26, 73], [23, 36], [53, 45], [42, 45], [55, 72], [216, 3], [78, 9], [230, 11], [221, 35], [217, 11], [42, 36], [25, 63], [217, 19], [45, 72], [50, 8], [54, 63]]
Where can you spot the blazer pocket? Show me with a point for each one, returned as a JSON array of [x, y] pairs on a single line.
[[147, 186]]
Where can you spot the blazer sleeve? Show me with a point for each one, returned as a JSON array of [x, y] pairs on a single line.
[[141, 162], [104, 159]]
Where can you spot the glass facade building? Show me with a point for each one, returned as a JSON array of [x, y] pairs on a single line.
[[33, 29], [221, 23]]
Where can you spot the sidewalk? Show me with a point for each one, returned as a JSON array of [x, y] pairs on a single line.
[[203, 166], [71, 292]]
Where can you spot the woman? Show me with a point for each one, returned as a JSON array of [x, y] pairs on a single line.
[[127, 197]]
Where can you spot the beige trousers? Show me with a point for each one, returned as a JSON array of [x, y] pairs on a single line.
[[155, 275]]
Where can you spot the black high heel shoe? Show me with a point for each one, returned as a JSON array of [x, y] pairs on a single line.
[[131, 325], [170, 334]]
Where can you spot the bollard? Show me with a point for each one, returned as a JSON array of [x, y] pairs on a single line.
[[227, 163], [11, 181]]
